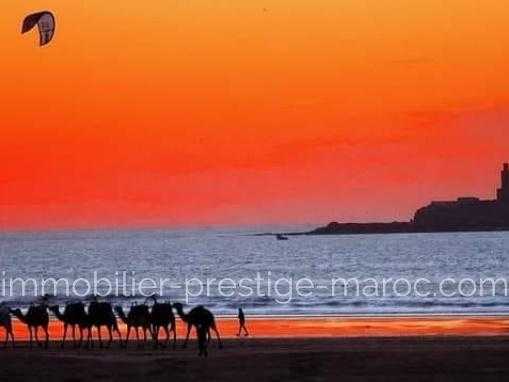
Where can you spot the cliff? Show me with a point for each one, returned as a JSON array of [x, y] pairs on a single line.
[[463, 214]]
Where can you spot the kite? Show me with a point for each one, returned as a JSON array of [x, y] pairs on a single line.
[[45, 22]]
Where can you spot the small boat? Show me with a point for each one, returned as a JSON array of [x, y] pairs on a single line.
[[281, 237]]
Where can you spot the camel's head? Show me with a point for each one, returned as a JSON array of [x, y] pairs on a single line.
[[45, 299], [119, 309], [153, 298], [178, 306], [53, 308]]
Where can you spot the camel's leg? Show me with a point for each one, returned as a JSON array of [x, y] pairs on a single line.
[[99, 335], [36, 330], [80, 343], [155, 336], [127, 335], [189, 326], [144, 336], [6, 337], [89, 337], [31, 336], [174, 330], [12, 337], [214, 328], [137, 337], [9, 333], [167, 332], [115, 327], [64, 335], [46, 343], [74, 335], [110, 333]]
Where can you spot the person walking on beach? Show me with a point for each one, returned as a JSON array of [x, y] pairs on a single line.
[[242, 323]]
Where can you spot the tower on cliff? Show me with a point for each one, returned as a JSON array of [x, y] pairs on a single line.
[[503, 191]]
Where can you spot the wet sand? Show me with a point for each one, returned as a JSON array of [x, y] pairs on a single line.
[[330, 326], [289, 349]]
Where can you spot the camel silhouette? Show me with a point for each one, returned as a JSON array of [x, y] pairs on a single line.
[[161, 316], [6, 323], [36, 316], [101, 314], [199, 317], [74, 315], [138, 317]]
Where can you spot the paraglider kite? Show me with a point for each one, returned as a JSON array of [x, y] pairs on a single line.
[[45, 22]]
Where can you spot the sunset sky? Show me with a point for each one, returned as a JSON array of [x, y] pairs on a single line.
[[190, 113]]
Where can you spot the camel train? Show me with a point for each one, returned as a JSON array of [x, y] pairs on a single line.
[[148, 319]]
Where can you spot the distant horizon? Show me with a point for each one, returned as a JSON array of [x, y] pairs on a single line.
[[283, 226], [261, 228]]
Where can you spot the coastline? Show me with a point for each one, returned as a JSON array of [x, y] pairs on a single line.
[[332, 326]]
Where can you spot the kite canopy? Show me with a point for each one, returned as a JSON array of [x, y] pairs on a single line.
[[45, 22]]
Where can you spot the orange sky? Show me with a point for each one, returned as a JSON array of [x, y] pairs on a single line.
[[202, 112]]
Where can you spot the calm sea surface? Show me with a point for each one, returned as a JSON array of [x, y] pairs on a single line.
[[263, 275]]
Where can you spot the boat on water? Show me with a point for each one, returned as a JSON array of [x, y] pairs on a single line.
[[281, 237]]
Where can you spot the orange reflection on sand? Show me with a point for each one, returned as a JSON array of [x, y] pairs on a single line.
[[291, 327]]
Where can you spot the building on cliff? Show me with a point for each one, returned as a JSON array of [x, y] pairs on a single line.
[[467, 213], [463, 214]]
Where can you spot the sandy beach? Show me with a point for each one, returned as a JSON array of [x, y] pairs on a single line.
[[309, 349], [312, 359]]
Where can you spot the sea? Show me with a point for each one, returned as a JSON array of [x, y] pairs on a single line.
[[394, 274]]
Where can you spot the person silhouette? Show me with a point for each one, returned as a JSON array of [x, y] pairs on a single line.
[[242, 323]]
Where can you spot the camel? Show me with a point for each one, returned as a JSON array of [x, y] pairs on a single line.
[[138, 317], [74, 315], [36, 316], [101, 314], [162, 316], [199, 317], [6, 323]]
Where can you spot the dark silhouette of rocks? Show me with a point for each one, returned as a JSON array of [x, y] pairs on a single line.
[[466, 214]]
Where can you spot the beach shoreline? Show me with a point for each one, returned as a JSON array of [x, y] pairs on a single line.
[[330, 326], [323, 348]]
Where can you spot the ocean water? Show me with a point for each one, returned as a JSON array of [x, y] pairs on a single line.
[[437, 273]]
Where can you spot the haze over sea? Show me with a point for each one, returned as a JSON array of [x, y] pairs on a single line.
[[185, 255]]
